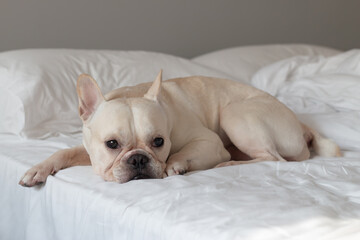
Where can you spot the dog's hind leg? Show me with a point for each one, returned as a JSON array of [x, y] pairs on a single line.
[[264, 129]]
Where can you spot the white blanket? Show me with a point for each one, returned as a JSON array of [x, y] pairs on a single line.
[[315, 199]]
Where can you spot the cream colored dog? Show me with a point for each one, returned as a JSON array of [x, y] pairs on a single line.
[[180, 125]]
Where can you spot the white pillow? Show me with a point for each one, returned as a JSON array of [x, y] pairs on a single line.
[[243, 62], [38, 95]]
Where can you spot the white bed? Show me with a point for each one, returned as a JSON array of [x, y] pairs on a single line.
[[315, 199]]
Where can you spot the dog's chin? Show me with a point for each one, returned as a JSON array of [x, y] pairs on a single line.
[[130, 175], [140, 176]]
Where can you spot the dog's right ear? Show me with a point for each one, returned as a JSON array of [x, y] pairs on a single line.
[[89, 95]]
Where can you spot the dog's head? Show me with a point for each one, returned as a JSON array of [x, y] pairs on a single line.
[[126, 138]]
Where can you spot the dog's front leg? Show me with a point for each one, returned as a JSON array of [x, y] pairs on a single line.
[[203, 152], [61, 159]]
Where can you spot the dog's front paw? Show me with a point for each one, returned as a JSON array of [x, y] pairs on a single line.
[[176, 168], [36, 175]]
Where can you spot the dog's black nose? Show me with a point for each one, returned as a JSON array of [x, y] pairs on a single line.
[[138, 161]]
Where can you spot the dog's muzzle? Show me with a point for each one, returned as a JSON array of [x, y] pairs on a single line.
[[138, 163]]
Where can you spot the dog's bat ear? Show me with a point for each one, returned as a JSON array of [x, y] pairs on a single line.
[[155, 89], [89, 95]]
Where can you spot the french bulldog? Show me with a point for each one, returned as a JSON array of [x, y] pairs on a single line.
[[159, 129]]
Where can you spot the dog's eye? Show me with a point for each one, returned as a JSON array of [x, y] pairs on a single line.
[[158, 142], [113, 144]]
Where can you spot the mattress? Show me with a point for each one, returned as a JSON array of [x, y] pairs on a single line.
[[314, 199]]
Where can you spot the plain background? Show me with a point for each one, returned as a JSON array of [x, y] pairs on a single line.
[[182, 27]]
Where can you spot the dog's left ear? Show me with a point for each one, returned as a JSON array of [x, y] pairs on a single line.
[[155, 89]]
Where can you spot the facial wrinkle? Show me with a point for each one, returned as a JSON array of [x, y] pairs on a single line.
[[109, 166]]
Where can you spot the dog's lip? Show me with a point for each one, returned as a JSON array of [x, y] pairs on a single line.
[[140, 176]]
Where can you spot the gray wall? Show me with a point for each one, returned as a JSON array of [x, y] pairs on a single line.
[[183, 27]]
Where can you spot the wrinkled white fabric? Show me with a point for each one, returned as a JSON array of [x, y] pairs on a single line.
[[314, 199], [314, 84]]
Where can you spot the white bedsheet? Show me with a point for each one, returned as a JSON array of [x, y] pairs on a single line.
[[314, 199]]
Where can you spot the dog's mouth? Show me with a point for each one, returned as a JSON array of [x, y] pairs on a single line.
[[137, 164], [140, 176]]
